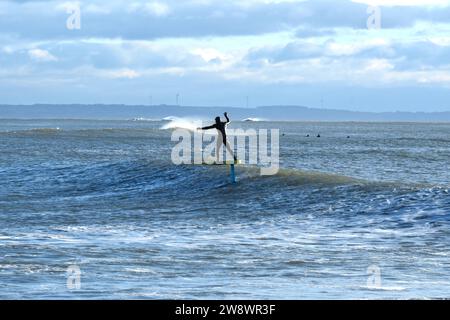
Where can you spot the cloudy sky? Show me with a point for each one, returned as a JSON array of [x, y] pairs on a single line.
[[318, 53]]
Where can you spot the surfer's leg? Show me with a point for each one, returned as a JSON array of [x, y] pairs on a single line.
[[218, 147], [229, 150]]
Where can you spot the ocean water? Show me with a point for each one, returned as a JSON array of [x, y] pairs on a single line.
[[355, 218]]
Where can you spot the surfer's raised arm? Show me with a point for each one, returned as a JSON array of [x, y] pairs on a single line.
[[226, 116]]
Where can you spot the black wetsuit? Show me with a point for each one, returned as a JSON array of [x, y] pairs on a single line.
[[221, 126]]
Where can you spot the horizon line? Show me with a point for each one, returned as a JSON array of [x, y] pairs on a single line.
[[212, 106]]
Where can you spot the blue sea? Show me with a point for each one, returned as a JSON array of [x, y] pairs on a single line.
[[363, 212]]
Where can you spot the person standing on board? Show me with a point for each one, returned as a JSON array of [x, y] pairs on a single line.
[[222, 138]]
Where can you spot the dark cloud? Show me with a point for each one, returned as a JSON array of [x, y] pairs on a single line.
[[39, 20], [292, 51]]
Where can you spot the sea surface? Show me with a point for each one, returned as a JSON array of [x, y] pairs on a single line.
[[363, 212]]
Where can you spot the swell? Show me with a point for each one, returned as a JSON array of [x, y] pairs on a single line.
[[163, 177], [121, 188]]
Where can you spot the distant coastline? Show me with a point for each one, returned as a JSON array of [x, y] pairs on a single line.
[[269, 113]]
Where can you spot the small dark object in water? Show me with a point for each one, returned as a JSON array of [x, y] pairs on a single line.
[[318, 136], [307, 135]]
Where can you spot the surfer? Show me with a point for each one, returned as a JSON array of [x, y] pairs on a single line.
[[222, 138]]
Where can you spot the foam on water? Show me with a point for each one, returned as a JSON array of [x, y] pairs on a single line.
[[182, 123]]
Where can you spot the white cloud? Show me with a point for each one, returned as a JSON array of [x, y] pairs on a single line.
[[334, 48], [209, 54], [391, 3], [378, 65], [122, 74], [41, 55], [438, 77], [96, 9], [156, 8], [8, 50], [68, 5]]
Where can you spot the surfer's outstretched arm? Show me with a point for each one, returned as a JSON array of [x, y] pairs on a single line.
[[208, 127], [226, 116]]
